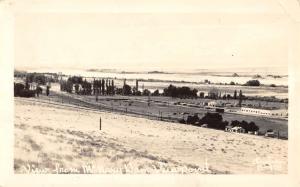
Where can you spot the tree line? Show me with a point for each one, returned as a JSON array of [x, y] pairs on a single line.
[[181, 92], [215, 121], [83, 87]]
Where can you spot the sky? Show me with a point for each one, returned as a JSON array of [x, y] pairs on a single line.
[[198, 35]]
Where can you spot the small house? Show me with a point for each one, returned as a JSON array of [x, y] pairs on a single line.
[[228, 128], [236, 129]]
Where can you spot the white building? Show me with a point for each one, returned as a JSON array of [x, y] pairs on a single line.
[[265, 112], [236, 129], [214, 104]]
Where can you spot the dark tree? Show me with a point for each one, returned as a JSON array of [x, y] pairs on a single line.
[[235, 94], [27, 84], [39, 90], [253, 126], [138, 93], [66, 86], [170, 91], [192, 119], [127, 90], [20, 91], [213, 93], [113, 87], [99, 86], [47, 90], [108, 88], [146, 92], [240, 98], [252, 83], [214, 120], [87, 88], [201, 95], [103, 87], [119, 91], [156, 93], [18, 88], [224, 96], [76, 88], [228, 96], [235, 123]]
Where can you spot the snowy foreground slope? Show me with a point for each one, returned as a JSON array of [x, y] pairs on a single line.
[[61, 139]]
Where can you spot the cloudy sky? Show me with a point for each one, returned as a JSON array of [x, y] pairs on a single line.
[[192, 35]]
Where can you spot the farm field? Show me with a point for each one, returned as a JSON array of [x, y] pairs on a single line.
[[63, 138]]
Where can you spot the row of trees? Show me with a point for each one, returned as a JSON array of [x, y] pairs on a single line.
[[83, 87], [107, 87], [181, 92], [104, 87], [37, 78], [66, 86], [215, 121], [249, 83], [215, 93], [40, 78], [127, 90]]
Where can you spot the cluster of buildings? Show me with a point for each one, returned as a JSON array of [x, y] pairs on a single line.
[[258, 111], [282, 113]]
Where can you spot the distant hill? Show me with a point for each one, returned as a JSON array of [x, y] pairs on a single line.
[[157, 72]]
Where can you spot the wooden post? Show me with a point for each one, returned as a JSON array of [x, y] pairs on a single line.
[[100, 124], [160, 116]]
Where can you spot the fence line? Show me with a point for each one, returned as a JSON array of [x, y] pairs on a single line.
[[102, 107]]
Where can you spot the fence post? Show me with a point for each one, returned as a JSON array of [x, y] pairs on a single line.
[[100, 124]]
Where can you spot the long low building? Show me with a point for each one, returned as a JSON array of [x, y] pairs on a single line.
[[282, 113]]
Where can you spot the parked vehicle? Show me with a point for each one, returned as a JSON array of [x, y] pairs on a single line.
[[270, 133]]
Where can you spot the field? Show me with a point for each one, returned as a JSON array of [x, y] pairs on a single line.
[[162, 108], [63, 138]]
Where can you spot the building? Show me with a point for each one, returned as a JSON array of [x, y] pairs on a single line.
[[281, 113], [213, 104], [236, 129], [228, 128]]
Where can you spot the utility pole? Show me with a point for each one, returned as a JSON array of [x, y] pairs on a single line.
[[137, 85], [149, 99], [100, 124]]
